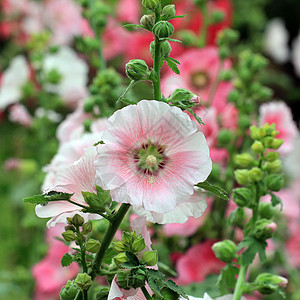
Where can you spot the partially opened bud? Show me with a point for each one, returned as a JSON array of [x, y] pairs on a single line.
[[148, 21], [69, 291], [264, 229], [268, 283]]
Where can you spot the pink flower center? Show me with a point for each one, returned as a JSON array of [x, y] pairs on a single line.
[[200, 80]]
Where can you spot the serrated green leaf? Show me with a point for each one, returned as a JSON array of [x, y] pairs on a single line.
[[133, 261], [155, 280], [66, 260], [172, 65], [174, 287], [227, 278], [216, 190], [58, 196], [36, 199]]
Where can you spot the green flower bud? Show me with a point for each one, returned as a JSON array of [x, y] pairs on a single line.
[[123, 280], [181, 95], [225, 137], [165, 49], [70, 227], [256, 174], [136, 69], [217, 16], [242, 177], [238, 217], [69, 291], [268, 283], [258, 147], [147, 21], [273, 166], [138, 245], [271, 156], [120, 259], [262, 132], [119, 247], [137, 278], [244, 160], [77, 220], [254, 132], [151, 4], [84, 281], [87, 124], [149, 258], [225, 250], [93, 246], [163, 29], [54, 76], [242, 196], [234, 96], [102, 293], [244, 121], [264, 229], [276, 143], [127, 238], [69, 236], [266, 210], [259, 62], [88, 105], [225, 75], [87, 227], [224, 52], [274, 182], [268, 141], [265, 93], [169, 11]]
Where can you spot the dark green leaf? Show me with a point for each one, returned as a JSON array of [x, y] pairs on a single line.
[[227, 278], [37, 199], [198, 119], [174, 287], [109, 255], [155, 280], [172, 40], [99, 143], [133, 261], [57, 196], [216, 190], [66, 260], [175, 60], [172, 65]]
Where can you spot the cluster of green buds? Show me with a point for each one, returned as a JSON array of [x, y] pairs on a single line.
[[69, 291], [225, 40]]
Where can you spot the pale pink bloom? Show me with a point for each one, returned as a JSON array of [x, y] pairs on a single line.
[[276, 41], [49, 275], [129, 11], [198, 262], [13, 78], [19, 114], [280, 114], [15, 6], [296, 55], [152, 156], [292, 247], [64, 19], [33, 21], [99, 125], [199, 69], [12, 164], [186, 229], [229, 117], [74, 179], [74, 71]]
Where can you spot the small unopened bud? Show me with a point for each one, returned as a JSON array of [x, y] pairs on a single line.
[[93, 246], [169, 11], [148, 21], [88, 105], [163, 29], [273, 166], [264, 229], [77, 220], [244, 121], [254, 132], [266, 210], [268, 283], [225, 250], [138, 245], [225, 136], [242, 176], [136, 69], [242, 196], [70, 227], [54, 76], [120, 259], [87, 227], [119, 247], [256, 174], [151, 4], [127, 238], [234, 96], [165, 49], [69, 291], [258, 147], [244, 160], [84, 281], [271, 156], [123, 279], [274, 182], [276, 143], [217, 16], [69, 236], [149, 258]]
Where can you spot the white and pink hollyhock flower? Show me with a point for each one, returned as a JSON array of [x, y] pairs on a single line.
[[12, 80], [199, 69], [74, 75], [193, 267], [49, 275], [152, 156], [296, 55], [280, 114], [74, 179], [19, 114]]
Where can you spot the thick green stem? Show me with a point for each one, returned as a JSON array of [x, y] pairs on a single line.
[[156, 65], [145, 292], [238, 292]]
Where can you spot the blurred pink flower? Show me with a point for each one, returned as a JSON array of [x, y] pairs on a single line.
[[129, 11], [292, 247], [280, 114], [19, 114], [186, 229], [198, 262], [12, 164], [229, 117], [199, 69], [152, 156]]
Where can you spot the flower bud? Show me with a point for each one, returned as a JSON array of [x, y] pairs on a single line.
[[271, 156], [165, 49], [136, 69], [238, 217], [147, 21], [120, 259], [254, 132], [151, 4], [84, 281], [268, 283], [138, 245], [225, 136], [123, 279], [69, 236], [225, 75], [234, 96], [181, 95], [274, 182], [268, 141], [163, 29], [264, 229], [149, 258], [242, 176], [256, 174], [266, 210], [273, 166], [137, 278], [93, 246], [69, 291], [258, 147], [225, 250], [119, 247], [70, 227], [88, 105], [276, 143], [169, 11], [244, 122], [244, 160], [224, 52], [87, 227], [102, 293], [217, 16], [77, 220], [242, 196], [54, 76]]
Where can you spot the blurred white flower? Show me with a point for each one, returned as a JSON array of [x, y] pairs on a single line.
[[296, 54]]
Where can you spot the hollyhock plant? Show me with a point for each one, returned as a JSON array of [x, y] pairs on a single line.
[[280, 114], [199, 69], [152, 156], [78, 177]]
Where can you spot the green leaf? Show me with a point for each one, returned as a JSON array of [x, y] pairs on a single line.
[[253, 246], [155, 280], [175, 60], [133, 261], [174, 287], [45, 198], [109, 255], [198, 119], [172, 40], [66, 260], [37, 199], [172, 65], [216, 190], [227, 278], [275, 200]]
